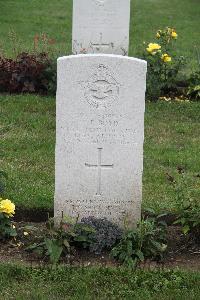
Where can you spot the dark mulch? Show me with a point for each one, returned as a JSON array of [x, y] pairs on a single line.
[[36, 215]]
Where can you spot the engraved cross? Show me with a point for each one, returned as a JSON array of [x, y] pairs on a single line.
[[99, 167]]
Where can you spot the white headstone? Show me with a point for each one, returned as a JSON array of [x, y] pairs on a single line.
[[99, 137], [101, 26]]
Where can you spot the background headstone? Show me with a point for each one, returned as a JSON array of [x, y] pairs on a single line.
[[101, 26], [99, 137]]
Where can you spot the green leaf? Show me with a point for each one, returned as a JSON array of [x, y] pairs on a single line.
[[186, 229], [80, 238], [161, 215], [140, 255], [177, 222], [54, 250], [197, 88], [13, 232], [66, 244], [30, 228], [35, 245]]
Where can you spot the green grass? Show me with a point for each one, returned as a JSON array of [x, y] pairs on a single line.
[[54, 18], [28, 142], [96, 283], [27, 152]]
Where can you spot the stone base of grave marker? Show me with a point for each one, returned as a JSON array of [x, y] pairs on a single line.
[[99, 137]]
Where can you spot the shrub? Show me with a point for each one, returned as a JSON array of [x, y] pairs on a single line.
[[60, 239], [32, 73], [163, 64], [147, 240], [7, 210], [105, 235]]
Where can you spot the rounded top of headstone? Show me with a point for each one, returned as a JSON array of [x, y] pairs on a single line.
[[113, 56]]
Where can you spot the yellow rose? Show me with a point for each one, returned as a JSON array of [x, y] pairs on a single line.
[[166, 58], [174, 35], [153, 48], [7, 207]]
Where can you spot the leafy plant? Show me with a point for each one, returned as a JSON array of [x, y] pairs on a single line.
[[61, 239], [105, 235], [32, 73], [147, 240], [6, 228], [163, 64], [54, 249]]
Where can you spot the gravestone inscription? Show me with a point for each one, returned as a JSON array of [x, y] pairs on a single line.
[[99, 137], [101, 26]]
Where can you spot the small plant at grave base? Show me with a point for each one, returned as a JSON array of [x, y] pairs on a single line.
[[7, 210], [163, 64], [61, 240], [105, 235], [187, 206], [147, 240]]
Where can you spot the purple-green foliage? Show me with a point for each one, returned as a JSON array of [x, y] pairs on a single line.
[[106, 234]]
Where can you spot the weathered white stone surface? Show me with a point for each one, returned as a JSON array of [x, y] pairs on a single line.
[[101, 26], [99, 137]]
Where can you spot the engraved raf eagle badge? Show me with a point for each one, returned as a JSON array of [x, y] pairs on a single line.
[[102, 89]]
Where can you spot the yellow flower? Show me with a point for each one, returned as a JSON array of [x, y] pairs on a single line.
[[166, 58], [153, 48], [174, 35], [26, 233], [7, 207]]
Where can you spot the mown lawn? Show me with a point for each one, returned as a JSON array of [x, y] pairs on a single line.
[[96, 283], [28, 143], [27, 18]]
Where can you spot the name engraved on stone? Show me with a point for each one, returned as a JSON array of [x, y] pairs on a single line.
[[99, 167], [102, 89]]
